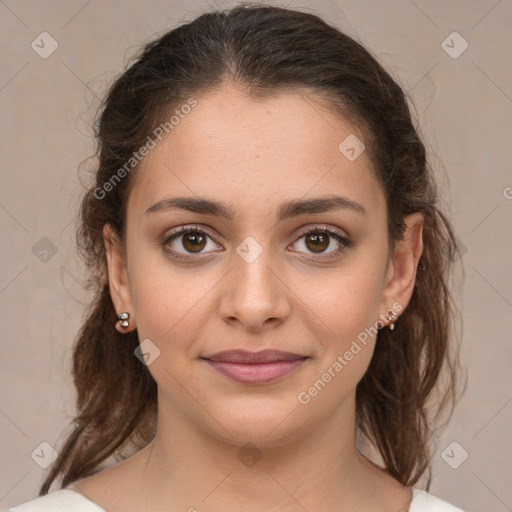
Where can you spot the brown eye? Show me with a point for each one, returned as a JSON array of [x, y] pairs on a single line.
[[194, 241], [186, 242], [318, 242]]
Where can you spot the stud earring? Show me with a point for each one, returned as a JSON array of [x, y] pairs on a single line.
[[390, 318], [124, 318]]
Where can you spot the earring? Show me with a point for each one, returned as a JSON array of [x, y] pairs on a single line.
[[390, 318], [125, 319]]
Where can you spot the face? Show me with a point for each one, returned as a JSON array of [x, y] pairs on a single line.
[[270, 275]]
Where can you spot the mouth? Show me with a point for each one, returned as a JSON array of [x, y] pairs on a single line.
[[255, 367]]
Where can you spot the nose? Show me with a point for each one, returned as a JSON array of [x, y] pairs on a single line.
[[254, 292]]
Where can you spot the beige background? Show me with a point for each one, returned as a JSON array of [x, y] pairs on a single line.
[[47, 108]]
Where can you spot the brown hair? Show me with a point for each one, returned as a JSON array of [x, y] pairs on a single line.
[[264, 49]]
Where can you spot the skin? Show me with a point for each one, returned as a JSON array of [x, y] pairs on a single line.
[[254, 155]]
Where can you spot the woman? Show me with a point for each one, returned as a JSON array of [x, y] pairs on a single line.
[[272, 272]]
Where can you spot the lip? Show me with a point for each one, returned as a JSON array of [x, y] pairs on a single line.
[[244, 356], [255, 367]]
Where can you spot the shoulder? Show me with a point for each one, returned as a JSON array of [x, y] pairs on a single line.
[[62, 500], [425, 502]]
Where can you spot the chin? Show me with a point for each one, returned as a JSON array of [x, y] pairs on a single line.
[[264, 425]]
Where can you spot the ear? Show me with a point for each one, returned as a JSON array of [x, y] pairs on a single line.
[[118, 277], [401, 272]]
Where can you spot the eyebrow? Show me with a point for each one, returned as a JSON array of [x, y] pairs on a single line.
[[287, 210]]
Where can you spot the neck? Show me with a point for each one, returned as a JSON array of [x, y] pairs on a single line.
[[319, 468]]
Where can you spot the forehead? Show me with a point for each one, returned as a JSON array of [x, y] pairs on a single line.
[[235, 148]]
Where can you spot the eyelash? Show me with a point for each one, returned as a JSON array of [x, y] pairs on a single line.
[[345, 243]]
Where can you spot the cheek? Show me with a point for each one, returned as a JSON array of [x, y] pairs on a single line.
[[169, 301], [353, 309], [349, 299], [348, 308], [342, 310]]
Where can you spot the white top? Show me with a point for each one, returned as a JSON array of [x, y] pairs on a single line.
[[65, 500]]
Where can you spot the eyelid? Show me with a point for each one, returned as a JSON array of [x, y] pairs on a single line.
[[324, 227], [185, 229]]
